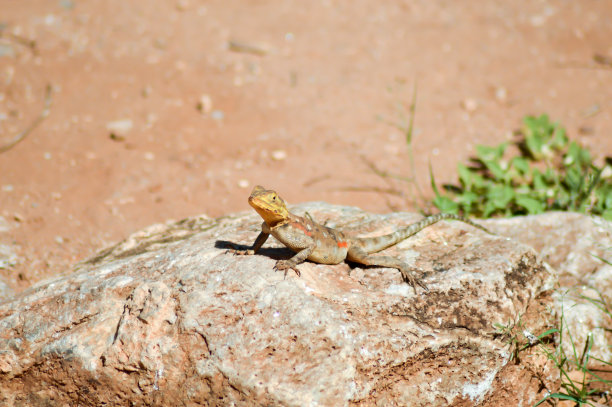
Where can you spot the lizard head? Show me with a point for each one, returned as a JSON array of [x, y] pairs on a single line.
[[269, 205]]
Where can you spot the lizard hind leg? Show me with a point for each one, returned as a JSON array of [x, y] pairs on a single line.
[[358, 255]]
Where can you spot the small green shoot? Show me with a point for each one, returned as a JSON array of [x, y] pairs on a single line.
[[406, 126], [579, 382]]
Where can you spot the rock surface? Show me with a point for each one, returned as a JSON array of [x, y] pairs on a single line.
[[168, 317]]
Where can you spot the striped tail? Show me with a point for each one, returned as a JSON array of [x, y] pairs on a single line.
[[375, 244]]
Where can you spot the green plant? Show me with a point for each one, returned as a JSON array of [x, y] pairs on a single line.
[[518, 337], [547, 172], [586, 385]]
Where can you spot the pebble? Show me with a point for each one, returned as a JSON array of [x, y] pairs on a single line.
[[243, 183], [204, 105], [146, 91], [469, 104], [120, 128], [501, 94], [217, 115], [279, 155]]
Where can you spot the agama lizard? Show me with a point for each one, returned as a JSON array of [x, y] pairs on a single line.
[[324, 245]]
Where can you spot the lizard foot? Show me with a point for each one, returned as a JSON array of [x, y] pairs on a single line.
[[237, 252], [285, 265], [412, 280]]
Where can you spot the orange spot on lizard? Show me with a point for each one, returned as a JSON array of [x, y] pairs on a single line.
[[303, 228]]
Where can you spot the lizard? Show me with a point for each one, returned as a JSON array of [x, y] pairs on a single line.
[[321, 244]]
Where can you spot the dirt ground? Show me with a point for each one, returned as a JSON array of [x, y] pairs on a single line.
[[163, 110]]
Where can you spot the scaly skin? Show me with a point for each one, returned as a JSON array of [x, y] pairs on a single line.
[[318, 243]]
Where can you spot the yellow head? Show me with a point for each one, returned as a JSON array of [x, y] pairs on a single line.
[[269, 205]]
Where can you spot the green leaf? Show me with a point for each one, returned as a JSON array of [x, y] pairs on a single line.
[[500, 195], [608, 198], [577, 155], [532, 205], [560, 138], [539, 183], [521, 164], [432, 180], [548, 332], [574, 179], [486, 153], [466, 176], [496, 170], [467, 201], [445, 204], [559, 396]]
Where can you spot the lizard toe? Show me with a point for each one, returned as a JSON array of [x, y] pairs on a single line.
[[284, 265], [413, 281]]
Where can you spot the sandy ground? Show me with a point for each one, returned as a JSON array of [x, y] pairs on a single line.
[[205, 99]]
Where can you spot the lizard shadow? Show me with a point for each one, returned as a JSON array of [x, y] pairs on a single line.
[[279, 253]]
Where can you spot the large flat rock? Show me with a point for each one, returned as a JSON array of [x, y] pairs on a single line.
[[169, 317]]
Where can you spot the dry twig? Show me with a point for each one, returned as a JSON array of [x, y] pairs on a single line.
[[43, 114]]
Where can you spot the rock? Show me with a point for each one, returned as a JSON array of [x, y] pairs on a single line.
[[168, 317], [5, 291], [8, 256], [573, 244]]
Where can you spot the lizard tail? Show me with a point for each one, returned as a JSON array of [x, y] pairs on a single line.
[[375, 244]]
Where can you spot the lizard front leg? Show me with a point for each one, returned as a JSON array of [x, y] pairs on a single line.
[[358, 255], [294, 261], [261, 239]]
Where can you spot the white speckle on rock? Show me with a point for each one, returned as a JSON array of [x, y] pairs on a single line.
[[476, 391]]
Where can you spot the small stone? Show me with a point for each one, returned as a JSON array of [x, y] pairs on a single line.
[[469, 104], [47, 155], [59, 239], [8, 188], [146, 91], [501, 94], [149, 156], [119, 128], [279, 155], [217, 115], [204, 105], [243, 183]]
